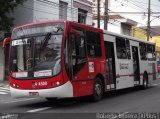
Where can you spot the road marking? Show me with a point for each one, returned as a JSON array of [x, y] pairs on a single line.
[[3, 93], [4, 85], [156, 84], [119, 115], [5, 88], [37, 110], [21, 100]]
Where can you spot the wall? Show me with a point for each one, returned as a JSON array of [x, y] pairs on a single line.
[[23, 14], [156, 39], [141, 34], [39, 10], [112, 26], [1, 62]]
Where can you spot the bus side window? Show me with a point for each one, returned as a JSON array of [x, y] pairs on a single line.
[[93, 44], [121, 48], [128, 49], [154, 53], [151, 51], [143, 51]]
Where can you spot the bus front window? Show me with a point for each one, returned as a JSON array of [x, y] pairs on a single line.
[[36, 55]]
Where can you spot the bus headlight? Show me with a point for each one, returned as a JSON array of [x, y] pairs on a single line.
[[56, 83], [15, 85]]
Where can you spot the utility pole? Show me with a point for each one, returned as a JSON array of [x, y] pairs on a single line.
[[98, 14], [149, 22], [106, 16], [72, 10]]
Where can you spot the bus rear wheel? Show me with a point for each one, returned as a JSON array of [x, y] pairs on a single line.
[[145, 81], [97, 89]]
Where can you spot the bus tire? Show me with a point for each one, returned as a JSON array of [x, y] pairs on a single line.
[[97, 89], [145, 81], [51, 99]]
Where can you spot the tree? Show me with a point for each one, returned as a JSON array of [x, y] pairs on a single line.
[[6, 7]]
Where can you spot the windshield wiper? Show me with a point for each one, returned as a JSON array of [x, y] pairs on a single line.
[[45, 40], [59, 28], [19, 69]]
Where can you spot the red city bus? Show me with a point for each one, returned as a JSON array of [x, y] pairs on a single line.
[[62, 59]]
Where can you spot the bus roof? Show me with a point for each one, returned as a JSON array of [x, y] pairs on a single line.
[[127, 37], [61, 21], [86, 27], [42, 22]]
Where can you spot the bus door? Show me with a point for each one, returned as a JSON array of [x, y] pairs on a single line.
[[136, 68], [110, 65], [79, 67]]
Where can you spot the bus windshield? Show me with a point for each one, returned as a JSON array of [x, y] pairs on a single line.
[[36, 51]]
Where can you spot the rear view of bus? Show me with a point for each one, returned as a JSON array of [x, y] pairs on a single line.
[[36, 61]]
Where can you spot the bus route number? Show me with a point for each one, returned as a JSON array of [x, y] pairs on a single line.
[[44, 83]]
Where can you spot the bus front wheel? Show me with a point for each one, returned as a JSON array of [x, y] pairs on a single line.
[[97, 89], [51, 99]]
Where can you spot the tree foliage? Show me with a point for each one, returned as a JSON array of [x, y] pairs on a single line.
[[6, 7]]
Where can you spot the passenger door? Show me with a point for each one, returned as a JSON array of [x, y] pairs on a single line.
[[79, 67], [110, 65], [136, 69]]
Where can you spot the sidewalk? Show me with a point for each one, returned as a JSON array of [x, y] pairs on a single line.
[[4, 83]]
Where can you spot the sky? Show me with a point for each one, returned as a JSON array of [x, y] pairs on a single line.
[[137, 6]]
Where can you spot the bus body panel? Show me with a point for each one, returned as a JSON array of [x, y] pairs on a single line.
[[125, 78], [81, 83], [83, 80], [35, 84], [62, 91]]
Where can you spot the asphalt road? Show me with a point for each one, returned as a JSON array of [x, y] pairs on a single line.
[[121, 102]]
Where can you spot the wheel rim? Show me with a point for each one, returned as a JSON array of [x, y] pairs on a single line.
[[145, 83], [98, 89]]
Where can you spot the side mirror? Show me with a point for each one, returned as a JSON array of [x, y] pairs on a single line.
[[6, 41]]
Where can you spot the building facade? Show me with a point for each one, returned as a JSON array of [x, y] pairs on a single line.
[[41, 10], [117, 24], [141, 33]]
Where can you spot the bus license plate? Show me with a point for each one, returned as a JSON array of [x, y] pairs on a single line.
[[33, 93]]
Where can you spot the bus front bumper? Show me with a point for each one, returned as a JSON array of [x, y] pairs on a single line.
[[63, 91]]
